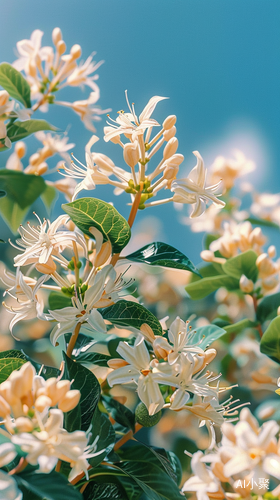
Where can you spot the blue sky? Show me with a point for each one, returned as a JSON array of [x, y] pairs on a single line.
[[217, 60]]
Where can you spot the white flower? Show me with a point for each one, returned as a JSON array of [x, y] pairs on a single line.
[[204, 481], [81, 74], [229, 169], [193, 190], [8, 487], [83, 311], [129, 123], [44, 241], [86, 109], [54, 143], [137, 368], [28, 50]]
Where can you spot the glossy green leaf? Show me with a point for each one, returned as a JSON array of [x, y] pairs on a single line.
[[22, 188], [267, 308], [120, 413], [206, 335], [58, 300], [262, 222], [106, 491], [90, 212], [201, 288], [49, 196], [12, 214], [19, 130], [14, 82], [161, 254], [8, 365], [125, 313], [86, 382], [52, 486], [270, 342], [103, 429], [93, 358], [240, 326], [245, 263]]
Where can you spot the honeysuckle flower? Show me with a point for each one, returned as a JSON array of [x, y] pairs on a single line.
[[14, 160], [8, 487], [81, 74], [54, 143], [137, 368], [30, 308], [230, 169], [129, 123], [86, 109], [193, 190], [266, 206], [45, 240], [28, 50], [204, 481]]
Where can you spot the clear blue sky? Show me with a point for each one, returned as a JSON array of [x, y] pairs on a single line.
[[217, 60]]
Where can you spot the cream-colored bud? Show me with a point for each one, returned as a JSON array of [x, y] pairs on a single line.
[[266, 413], [4, 97], [61, 47], [131, 154], [6, 392], [76, 51], [4, 408], [271, 251], [56, 35], [42, 402], [23, 424], [17, 384], [170, 172], [117, 363], [265, 265], [48, 268], [199, 363], [270, 283], [170, 148], [20, 149], [34, 159], [42, 168], [210, 354], [70, 401], [28, 372], [246, 285], [62, 387], [147, 332], [169, 122], [103, 162], [207, 255], [104, 254], [51, 387], [168, 134], [176, 159], [228, 431], [38, 383], [257, 237]]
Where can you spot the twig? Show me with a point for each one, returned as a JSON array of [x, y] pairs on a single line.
[[73, 340]]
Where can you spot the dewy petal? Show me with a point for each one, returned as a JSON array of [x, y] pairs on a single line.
[[149, 108]]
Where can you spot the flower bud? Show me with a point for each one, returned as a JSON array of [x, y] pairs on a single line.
[[257, 237], [271, 251], [207, 255], [6, 392], [168, 134], [56, 35], [170, 148], [20, 149], [4, 97], [246, 285], [34, 159], [169, 122], [170, 172], [4, 408], [104, 254], [103, 162], [147, 332], [161, 347], [266, 413], [76, 51], [265, 264], [131, 154], [70, 401], [61, 47], [38, 383], [270, 283], [48, 268], [176, 159], [51, 387], [23, 424], [62, 387], [42, 402], [117, 363], [210, 354]]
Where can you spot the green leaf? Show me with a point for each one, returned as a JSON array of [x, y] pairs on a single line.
[[240, 326], [12, 214], [103, 429], [108, 491], [8, 365], [201, 288], [245, 263], [267, 309], [58, 300], [49, 196], [206, 335], [52, 486], [13, 81], [131, 314], [270, 342], [88, 385], [120, 413], [90, 212], [161, 254], [93, 358], [19, 130], [22, 188], [262, 222], [13, 353]]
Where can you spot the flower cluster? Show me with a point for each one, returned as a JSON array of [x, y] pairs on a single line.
[[32, 410], [177, 363], [246, 453]]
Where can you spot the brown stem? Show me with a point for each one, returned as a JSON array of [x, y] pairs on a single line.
[[20, 466], [255, 304], [127, 437], [73, 340], [131, 218], [58, 465], [84, 487]]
